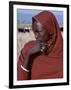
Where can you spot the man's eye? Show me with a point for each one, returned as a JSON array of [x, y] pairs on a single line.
[[36, 31]]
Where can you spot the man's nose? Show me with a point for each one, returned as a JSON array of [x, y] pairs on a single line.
[[36, 36]]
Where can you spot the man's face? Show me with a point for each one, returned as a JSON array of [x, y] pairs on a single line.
[[40, 33]]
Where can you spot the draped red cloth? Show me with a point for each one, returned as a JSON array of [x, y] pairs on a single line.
[[43, 66]]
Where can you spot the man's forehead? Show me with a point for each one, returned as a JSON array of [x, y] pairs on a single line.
[[39, 24], [38, 27]]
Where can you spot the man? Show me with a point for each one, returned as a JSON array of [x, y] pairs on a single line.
[[43, 57]]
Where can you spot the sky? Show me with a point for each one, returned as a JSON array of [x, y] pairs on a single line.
[[25, 15]]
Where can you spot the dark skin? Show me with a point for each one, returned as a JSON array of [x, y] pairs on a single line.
[[40, 33], [41, 36]]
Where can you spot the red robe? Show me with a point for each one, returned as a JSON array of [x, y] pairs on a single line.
[[43, 66]]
